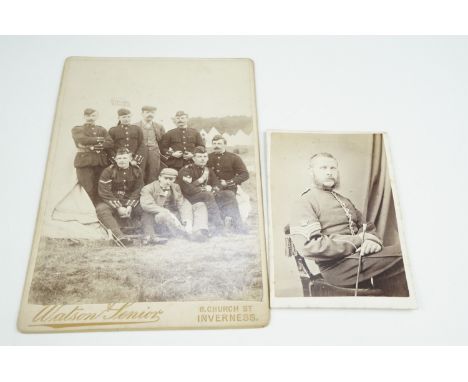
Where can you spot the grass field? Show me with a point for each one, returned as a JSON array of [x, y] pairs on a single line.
[[87, 272], [95, 272]]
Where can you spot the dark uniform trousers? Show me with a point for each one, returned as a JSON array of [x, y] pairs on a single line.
[[219, 205], [88, 178], [91, 159], [326, 227], [385, 267], [111, 219]]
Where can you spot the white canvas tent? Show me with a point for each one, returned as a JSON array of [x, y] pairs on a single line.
[[242, 139], [68, 212], [209, 136], [228, 139]]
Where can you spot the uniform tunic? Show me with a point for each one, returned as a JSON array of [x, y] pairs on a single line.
[[220, 203], [229, 167], [180, 139], [151, 164], [92, 157], [322, 231], [130, 137], [118, 187]]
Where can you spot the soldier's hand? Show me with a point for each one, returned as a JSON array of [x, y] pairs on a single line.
[[188, 155], [133, 163], [177, 154], [369, 236], [369, 246], [223, 183], [122, 211], [208, 188]]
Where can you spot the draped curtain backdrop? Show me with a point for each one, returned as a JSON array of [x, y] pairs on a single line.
[[380, 207]]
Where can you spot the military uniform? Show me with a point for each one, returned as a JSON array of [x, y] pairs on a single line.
[[92, 157], [220, 203], [326, 227], [151, 164], [229, 167], [180, 139], [168, 207], [130, 137], [118, 187]]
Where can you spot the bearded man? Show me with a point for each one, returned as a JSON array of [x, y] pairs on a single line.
[[327, 228]]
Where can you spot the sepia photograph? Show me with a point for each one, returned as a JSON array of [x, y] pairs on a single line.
[[151, 212], [335, 231]]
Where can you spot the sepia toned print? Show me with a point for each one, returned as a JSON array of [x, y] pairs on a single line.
[[335, 239], [151, 215]]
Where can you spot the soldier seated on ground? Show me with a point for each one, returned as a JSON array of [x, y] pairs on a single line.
[[200, 184], [163, 204], [119, 188]]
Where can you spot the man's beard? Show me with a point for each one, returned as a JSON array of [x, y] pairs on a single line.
[[322, 186]]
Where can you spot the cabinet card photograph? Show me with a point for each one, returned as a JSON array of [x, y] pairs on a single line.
[[335, 233], [151, 214]]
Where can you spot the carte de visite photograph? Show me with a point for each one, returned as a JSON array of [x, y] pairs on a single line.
[[335, 231], [151, 213]]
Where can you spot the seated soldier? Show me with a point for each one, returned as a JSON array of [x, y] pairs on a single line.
[[119, 188], [327, 228], [200, 184], [163, 203]]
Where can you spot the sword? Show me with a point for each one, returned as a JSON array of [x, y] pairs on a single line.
[[364, 228]]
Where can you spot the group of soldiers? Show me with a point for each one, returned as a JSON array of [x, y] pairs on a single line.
[[165, 180]]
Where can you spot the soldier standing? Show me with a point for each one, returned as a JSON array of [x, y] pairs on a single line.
[[228, 167], [200, 184], [178, 144], [163, 203], [152, 134], [126, 135], [119, 188], [92, 142]]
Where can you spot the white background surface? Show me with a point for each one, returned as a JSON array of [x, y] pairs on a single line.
[[416, 89]]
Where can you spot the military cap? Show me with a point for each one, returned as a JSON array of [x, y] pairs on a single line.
[[122, 150], [180, 113], [88, 111], [218, 137], [123, 111], [199, 150], [169, 172], [148, 108]]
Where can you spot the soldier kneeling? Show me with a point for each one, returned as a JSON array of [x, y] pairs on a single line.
[[163, 204]]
